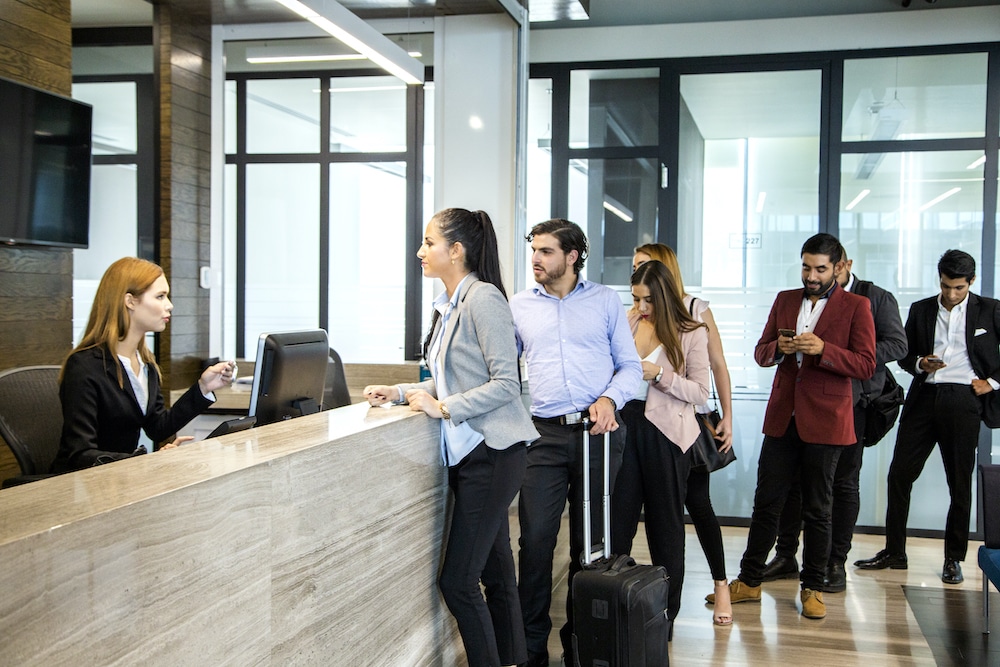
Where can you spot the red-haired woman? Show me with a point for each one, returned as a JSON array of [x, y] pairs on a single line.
[[110, 383]]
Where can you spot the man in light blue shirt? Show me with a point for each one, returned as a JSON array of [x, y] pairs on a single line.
[[581, 363]]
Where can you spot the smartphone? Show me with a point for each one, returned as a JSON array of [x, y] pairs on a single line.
[[789, 333]]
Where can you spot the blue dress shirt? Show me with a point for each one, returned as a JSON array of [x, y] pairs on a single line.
[[577, 348]]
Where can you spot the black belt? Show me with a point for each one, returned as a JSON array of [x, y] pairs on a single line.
[[571, 419]]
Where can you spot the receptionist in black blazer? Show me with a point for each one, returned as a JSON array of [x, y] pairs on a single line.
[[110, 383]]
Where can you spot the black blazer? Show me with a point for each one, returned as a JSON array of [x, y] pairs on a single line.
[[890, 337], [100, 418], [984, 350]]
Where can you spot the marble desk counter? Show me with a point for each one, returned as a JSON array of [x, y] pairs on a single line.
[[316, 541]]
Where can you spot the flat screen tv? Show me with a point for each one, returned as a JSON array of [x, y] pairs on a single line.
[[45, 144], [289, 376]]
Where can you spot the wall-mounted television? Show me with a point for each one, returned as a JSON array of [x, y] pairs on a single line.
[[45, 144]]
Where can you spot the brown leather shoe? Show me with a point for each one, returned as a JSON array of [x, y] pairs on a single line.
[[738, 592], [812, 603]]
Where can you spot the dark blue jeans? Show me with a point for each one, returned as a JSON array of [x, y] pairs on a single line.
[[784, 462], [846, 503]]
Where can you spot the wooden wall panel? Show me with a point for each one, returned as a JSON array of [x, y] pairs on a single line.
[[183, 40], [36, 284]]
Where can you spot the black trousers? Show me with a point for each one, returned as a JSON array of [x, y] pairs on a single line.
[[706, 523], [846, 503], [947, 415], [554, 475], [653, 476], [484, 484], [784, 462]]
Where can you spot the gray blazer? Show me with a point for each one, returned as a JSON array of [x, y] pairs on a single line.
[[479, 360]]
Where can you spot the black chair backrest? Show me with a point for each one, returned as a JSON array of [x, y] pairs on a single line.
[[31, 416], [989, 483], [335, 393]]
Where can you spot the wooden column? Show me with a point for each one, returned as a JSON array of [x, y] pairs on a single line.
[[182, 40], [36, 284]]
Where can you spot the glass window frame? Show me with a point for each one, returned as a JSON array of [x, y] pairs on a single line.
[[413, 157], [832, 147]]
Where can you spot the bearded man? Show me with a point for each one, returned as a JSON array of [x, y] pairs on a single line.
[[819, 337], [582, 365]]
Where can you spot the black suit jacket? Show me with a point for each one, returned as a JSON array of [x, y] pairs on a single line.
[[101, 418], [890, 337], [983, 314]]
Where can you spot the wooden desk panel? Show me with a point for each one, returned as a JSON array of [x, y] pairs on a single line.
[[312, 542]]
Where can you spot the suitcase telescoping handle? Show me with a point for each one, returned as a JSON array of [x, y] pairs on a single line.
[[588, 543]]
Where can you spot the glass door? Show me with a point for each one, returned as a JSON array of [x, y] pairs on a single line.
[[747, 197]]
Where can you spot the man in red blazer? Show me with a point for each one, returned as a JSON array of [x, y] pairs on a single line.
[[819, 337]]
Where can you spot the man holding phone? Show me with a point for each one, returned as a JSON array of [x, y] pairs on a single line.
[[819, 337], [954, 356]]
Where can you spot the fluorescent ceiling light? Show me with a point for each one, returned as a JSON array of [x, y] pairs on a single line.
[[270, 60], [978, 163], [939, 199], [335, 19], [857, 200], [618, 208], [761, 197], [363, 89]]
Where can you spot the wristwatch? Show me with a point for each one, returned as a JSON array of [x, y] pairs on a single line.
[[614, 406], [445, 414], [659, 376]]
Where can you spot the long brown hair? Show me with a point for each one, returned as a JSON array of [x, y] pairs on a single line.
[[670, 317], [664, 253], [109, 318]]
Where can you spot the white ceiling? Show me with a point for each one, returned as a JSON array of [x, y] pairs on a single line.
[[108, 13]]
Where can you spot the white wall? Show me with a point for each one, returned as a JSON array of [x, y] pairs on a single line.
[[727, 38], [475, 76]]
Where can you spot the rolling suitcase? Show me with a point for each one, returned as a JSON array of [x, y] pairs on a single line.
[[619, 607]]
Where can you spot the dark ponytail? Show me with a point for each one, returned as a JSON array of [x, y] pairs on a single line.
[[474, 230]]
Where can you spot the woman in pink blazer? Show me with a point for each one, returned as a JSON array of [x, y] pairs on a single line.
[[660, 423]]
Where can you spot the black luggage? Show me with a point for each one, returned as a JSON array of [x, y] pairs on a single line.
[[619, 607]]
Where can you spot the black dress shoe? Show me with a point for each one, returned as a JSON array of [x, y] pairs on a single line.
[[536, 660], [951, 573], [781, 567], [836, 578], [882, 560]]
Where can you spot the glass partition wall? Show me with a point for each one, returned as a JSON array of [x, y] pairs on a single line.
[[320, 209], [735, 162]]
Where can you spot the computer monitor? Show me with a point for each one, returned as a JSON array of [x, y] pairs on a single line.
[[289, 376]]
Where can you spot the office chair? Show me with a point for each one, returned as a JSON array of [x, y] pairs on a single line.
[[989, 553], [31, 419], [335, 393]]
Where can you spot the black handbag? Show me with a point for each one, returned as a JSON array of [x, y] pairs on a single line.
[[705, 454], [881, 411]]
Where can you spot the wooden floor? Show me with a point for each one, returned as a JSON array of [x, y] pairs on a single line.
[[871, 623]]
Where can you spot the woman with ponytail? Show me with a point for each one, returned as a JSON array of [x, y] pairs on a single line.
[[475, 391]]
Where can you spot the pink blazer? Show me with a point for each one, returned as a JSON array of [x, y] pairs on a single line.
[[670, 402]]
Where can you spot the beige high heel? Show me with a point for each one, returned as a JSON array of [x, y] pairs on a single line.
[[723, 613]]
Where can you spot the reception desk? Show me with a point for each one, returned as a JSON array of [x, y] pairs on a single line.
[[311, 542]]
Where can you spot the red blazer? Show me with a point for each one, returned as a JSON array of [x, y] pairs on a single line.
[[819, 393]]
